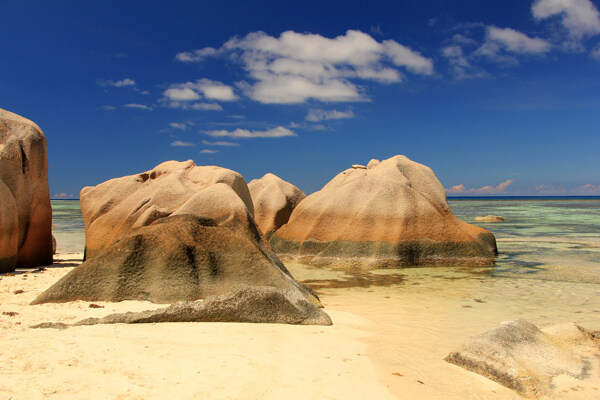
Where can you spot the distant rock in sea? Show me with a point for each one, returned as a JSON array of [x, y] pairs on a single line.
[[489, 218], [113, 208], [520, 356], [177, 258], [274, 200], [388, 214], [25, 211]]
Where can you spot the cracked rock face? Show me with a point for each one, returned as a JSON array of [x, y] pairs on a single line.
[[520, 356], [25, 212], [177, 258], [391, 213]]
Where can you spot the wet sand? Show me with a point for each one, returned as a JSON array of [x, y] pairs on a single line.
[[391, 331]]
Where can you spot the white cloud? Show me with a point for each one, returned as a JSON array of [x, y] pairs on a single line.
[[461, 189], [596, 53], [459, 63], [501, 44], [318, 127], [139, 106], [181, 94], [196, 55], [121, 83], [402, 56], [322, 115], [59, 196], [207, 107], [178, 125], [215, 90], [184, 105], [293, 89], [517, 42], [579, 17], [208, 151], [179, 143], [244, 133], [296, 67], [588, 189], [107, 108], [226, 144]]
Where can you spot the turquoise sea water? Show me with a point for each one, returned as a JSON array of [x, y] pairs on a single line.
[[68, 228], [548, 239]]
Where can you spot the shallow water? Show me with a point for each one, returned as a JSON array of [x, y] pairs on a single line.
[[541, 239], [68, 228], [548, 272]]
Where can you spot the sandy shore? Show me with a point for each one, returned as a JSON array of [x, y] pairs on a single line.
[[390, 334]]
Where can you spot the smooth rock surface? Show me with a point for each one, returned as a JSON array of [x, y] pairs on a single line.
[[9, 230], [113, 208], [518, 355], [251, 304], [24, 174], [177, 258], [391, 214], [274, 200]]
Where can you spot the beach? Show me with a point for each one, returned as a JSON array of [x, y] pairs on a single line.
[[391, 330]]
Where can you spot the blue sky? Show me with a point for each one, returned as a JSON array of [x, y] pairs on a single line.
[[497, 97]]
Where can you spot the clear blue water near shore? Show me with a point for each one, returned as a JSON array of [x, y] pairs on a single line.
[[541, 238]]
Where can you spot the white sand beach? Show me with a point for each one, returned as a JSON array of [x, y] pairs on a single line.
[[387, 342]]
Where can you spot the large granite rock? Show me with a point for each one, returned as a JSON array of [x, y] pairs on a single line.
[[388, 214], [113, 208], [259, 304], [24, 190], [274, 200], [520, 356], [177, 258], [9, 230]]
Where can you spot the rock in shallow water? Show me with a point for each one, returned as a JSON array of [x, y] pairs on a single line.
[[520, 356], [489, 218], [391, 214]]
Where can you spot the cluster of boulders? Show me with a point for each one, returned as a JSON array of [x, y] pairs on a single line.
[[183, 232], [25, 212]]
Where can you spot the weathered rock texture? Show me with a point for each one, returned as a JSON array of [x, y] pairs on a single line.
[[274, 200], [389, 214], [9, 230], [522, 357], [113, 208], [489, 218], [25, 212], [177, 258], [252, 304]]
